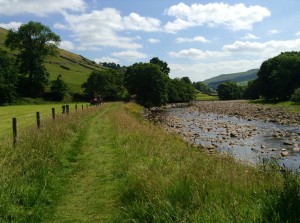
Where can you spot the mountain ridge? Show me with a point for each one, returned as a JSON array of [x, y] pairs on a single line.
[[235, 77]]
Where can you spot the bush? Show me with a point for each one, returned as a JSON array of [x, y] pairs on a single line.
[[296, 96]]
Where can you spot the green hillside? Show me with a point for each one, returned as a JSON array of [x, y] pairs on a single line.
[[235, 77], [74, 68]]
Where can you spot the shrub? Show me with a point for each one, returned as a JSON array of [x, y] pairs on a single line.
[[296, 96]]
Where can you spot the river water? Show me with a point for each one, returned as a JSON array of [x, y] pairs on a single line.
[[246, 139]]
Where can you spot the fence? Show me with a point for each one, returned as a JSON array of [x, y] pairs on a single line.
[[65, 111]]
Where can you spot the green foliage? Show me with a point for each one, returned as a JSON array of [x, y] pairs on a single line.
[[34, 42], [148, 83], [180, 90], [162, 65], [201, 86], [296, 96], [8, 78], [229, 91], [58, 88], [252, 91], [278, 77], [108, 84]]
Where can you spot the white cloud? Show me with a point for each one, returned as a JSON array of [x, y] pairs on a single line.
[[102, 28], [129, 55], [297, 34], [40, 8], [196, 54], [59, 26], [273, 31], [250, 36], [106, 59], [66, 45], [190, 40], [203, 71], [151, 40], [234, 17], [137, 22], [11, 25], [263, 49]]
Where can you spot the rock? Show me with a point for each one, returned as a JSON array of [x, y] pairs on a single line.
[[234, 134], [296, 149], [284, 153], [288, 143]]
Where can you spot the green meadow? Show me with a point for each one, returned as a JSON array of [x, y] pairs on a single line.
[[108, 164], [26, 115]]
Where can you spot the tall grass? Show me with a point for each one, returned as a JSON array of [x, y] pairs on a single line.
[[166, 180], [33, 171]]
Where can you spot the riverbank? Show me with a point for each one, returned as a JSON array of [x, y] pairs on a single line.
[[249, 132]]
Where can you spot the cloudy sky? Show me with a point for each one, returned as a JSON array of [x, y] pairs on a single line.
[[199, 39]]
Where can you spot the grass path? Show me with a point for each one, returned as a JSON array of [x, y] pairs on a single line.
[[89, 197]]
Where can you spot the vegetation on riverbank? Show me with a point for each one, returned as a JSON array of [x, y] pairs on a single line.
[[151, 176]]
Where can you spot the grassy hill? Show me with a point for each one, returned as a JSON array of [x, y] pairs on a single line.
[[74, 68], [241, 77]]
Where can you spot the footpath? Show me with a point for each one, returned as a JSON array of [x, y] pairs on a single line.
[[89, 195]]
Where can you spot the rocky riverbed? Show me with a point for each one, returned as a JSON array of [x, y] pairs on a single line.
[[249, 132]]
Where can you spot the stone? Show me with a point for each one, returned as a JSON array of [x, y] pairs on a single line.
[[284, 153], [288, 143]]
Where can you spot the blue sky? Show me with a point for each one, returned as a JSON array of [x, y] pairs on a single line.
[[198, 39]]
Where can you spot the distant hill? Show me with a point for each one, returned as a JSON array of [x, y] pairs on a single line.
[[235, 77], [74, 68]]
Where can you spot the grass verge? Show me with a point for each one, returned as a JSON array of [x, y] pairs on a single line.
[[117, 167]]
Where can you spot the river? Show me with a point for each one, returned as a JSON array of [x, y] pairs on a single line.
[[247, 138]]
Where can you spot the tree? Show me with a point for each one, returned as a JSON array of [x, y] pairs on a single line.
[[108, 84], [8, 78], [229, 91], [148, 83], [180, 90], [296, 96], [201, 86], [279, 76], [34, 42], [58, 88], [162, 65]]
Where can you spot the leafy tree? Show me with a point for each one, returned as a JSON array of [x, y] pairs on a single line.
[[34, 42], [180, 90], [148, 83], [201, 86], [296, 96], [108, 84], [162, 65], [252, 91], [58, 88], [279, 76], [229, 91], [8, 78]]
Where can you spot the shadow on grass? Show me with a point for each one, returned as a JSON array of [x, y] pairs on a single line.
[[283, 204]]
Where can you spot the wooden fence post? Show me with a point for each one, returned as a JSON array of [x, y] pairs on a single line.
[[67, 109], [53, 113], [63, 109], [14, 125], [82, 107], [76, 108], [38, 119]]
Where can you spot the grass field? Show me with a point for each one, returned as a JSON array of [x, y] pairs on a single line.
[[26, 115], [287, 105], [205, 97], [110, 165]]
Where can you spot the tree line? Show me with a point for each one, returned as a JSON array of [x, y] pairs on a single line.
[[147, 83], [23, 73], [278, 79]]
